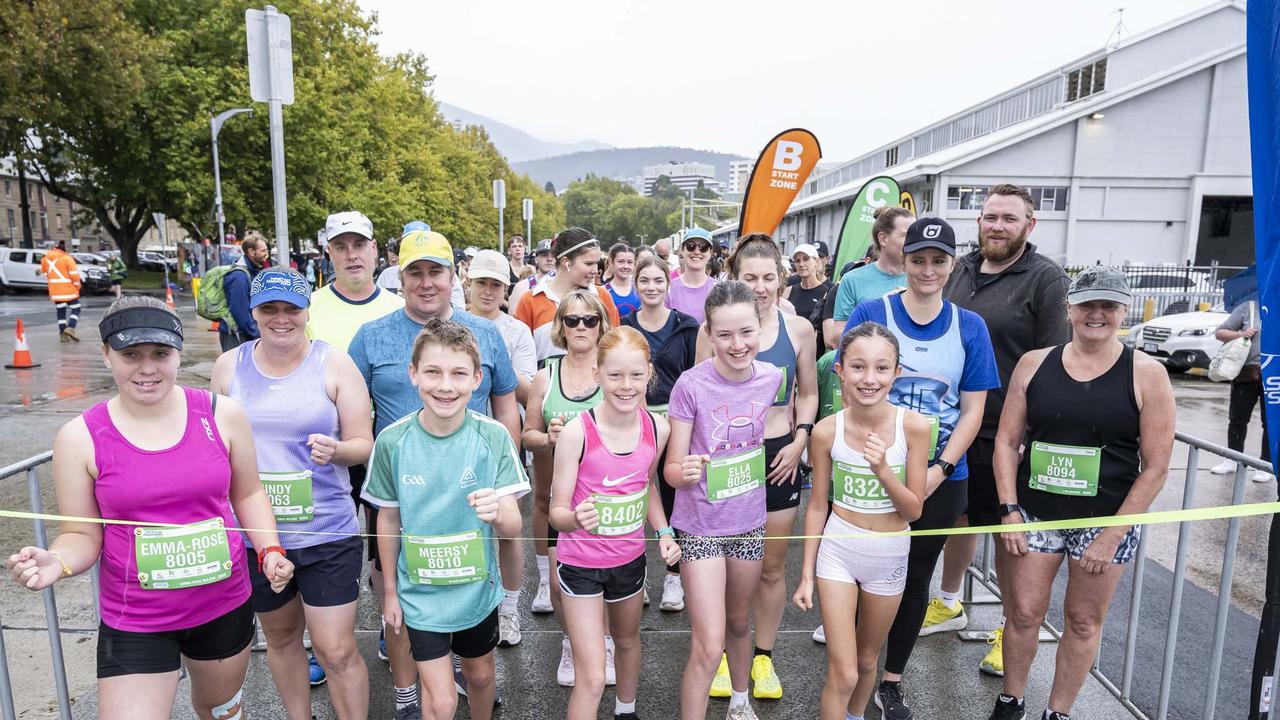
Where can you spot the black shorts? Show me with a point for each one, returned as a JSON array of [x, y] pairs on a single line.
[[984, 501], [473, 642], [121, 652], [783, 496], [357, 474], [327, 575], [615, 584]]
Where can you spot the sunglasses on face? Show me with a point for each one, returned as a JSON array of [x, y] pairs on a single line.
[[573, 321], [697, 247]]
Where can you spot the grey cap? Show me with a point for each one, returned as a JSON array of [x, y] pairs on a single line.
[[1100, 282]]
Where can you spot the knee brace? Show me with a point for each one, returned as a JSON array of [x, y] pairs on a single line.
[[231, 709]]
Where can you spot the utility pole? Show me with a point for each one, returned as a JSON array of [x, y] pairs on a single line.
[[215, 126], [271, 81], [24, 204]]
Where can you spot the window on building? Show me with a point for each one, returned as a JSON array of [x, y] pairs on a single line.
[[1088, 80], [44, 224], [967, 197], [13, 224], [926, 201], [891, 156], [8, 191], [40, 194], [58, 221]]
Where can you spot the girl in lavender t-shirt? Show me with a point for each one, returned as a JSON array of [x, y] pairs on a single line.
[[715, 460], [689, 289]]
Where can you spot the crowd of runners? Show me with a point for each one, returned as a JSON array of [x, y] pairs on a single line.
[[677, 403]]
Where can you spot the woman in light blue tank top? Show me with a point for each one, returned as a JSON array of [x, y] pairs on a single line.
[[310, 415]]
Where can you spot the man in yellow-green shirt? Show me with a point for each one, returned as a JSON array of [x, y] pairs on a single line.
[[352, 299]]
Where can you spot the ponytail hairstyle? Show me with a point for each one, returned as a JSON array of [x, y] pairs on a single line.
[[730, 292], [871, 329], [885, 218], [572, 242], [620, 337], [755, 245], [614, 251]]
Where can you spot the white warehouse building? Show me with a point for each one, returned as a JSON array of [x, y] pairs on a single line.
[[1137, 153]]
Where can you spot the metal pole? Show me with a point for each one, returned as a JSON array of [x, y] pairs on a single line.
[[1224, 597], [528, 231], [6, 689], [1135, 606], [1179, 576], [501, 233], [50, 604], [275, 112]]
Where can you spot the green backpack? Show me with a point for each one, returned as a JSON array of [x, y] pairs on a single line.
[[211, 301]]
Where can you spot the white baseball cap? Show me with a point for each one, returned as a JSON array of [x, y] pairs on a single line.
[[349, 221], [490, 264], [807, 249]]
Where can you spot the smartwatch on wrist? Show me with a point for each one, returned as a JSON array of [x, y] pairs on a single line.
[[807, 427], [668, 531], [947, 468], [1009, 509]]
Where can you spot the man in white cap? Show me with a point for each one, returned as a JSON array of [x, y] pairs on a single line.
[[352, 299]]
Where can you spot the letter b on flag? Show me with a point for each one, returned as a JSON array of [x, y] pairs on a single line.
[[788, 156]]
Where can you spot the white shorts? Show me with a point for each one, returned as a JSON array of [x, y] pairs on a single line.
[[874, 563]]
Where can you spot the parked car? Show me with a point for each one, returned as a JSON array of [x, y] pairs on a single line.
[[93, 278], [86, 258], [1172, 290], [1180, 341], [154, 261], [20, 269]]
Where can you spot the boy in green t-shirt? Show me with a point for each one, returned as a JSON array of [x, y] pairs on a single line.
[[830, 398], [445, 480]]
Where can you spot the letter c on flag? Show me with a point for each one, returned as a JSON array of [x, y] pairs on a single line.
[[876, 195], [787, 156]]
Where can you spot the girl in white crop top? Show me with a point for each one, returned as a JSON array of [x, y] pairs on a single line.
[[870, 462]]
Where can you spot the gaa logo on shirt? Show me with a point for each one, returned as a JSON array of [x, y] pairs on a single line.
[[413, 480]]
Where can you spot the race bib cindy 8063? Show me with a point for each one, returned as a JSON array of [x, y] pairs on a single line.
[[290, 495]]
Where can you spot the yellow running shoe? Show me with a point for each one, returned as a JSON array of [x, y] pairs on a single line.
[[940, 618], [767, 685], [721, 687], [993, 663]]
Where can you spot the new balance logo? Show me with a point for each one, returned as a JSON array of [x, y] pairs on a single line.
[[413, 480]]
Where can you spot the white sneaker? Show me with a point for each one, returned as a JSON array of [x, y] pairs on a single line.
[[820, 635], [508, 629], [672, 594], [564, 674], [742, 712], [645, 593], [1259, 476], [610, 675], [1226, 467], [542, 601]]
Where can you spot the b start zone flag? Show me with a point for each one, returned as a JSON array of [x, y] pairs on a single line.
[[780, 171]]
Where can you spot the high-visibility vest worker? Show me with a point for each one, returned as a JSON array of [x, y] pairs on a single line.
[[64, 276]]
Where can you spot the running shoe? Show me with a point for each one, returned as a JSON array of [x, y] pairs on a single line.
[[626, 716], [892, 704], [672, 594], [1054, 716], [316, 673], [742, 712], [508, 629], [993, 663], [382, 645], [610, 674], [460, 682], [409, 712], [767, 686], [1259, 476], [820, 634], [644, 593], [940, 618], [1007, 708], [542, 601], [1226, 467], [721, 686], [564, 673]]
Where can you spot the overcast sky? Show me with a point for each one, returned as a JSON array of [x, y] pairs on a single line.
[[727, 76]]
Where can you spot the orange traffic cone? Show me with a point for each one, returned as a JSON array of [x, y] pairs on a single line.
[[21, 353], [168, 298]]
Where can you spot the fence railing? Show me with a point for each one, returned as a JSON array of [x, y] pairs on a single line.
[[983, 573]]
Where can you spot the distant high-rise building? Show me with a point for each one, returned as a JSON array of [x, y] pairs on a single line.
[[739, 174], [685, 176]]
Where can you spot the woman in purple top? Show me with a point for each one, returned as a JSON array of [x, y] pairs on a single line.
[[310, 413], [715, 460], [689, 289], [158, 452]]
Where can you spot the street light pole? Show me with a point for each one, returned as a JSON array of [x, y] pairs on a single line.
[[215, 126]]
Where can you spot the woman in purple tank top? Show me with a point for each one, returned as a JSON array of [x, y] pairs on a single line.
[[309, 409], [603, 489], [160, 453]]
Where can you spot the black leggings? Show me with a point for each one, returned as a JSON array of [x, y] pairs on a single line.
[[1244, 395], [941, 510], [668, 495]]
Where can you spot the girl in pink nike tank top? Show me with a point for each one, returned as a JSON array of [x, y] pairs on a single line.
[[164, 454], [603, 489]]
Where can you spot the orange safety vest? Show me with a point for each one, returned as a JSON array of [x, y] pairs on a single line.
[[64, 276]]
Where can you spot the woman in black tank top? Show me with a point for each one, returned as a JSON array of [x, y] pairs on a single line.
[[1087, 431]]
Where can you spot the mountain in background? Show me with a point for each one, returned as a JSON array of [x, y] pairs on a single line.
[[618, 162], [517, 145]]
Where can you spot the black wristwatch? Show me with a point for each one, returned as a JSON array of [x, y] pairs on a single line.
[[807, 427], [1009, 508], [947, 468]]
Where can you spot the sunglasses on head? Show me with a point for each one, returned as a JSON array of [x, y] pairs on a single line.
[[697, 247], [573, 321]]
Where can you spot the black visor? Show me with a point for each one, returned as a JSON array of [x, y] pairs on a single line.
[[141, 325]]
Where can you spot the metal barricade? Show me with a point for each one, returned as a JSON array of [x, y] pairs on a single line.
[[982, 573]]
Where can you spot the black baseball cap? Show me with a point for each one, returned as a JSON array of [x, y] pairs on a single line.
[[930, 232], [823, 250]]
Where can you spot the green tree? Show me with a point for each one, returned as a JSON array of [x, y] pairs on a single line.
[[550, 187]]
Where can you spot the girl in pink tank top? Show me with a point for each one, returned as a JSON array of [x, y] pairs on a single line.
[[160, 453], [603, 489]]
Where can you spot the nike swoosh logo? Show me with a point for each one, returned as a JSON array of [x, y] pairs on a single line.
[[610, 483]]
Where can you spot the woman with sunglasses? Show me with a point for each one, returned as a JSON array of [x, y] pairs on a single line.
[[786, 342], [689, 289], [673, 341], [566, 387]]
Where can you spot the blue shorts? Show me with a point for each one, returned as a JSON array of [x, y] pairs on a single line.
[[326, 575]]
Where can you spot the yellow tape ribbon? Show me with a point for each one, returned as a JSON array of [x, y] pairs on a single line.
[[1217, 512]]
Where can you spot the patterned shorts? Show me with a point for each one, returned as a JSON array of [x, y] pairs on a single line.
[[1075, 542], [747, 546]]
